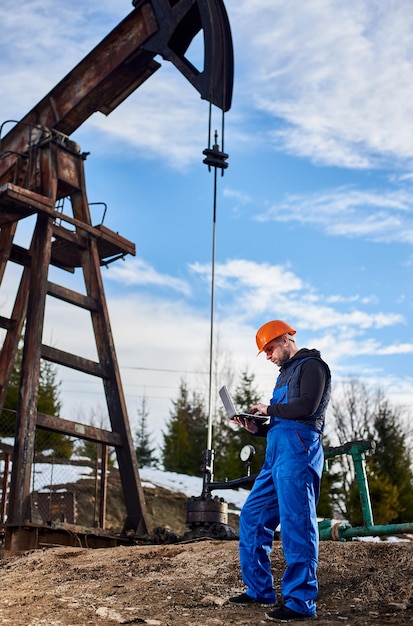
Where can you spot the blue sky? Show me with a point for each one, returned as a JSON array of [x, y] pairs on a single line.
[[314, 214]]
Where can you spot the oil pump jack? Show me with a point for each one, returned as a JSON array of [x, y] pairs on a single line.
[[39, 166]]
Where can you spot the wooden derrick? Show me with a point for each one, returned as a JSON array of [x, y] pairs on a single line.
[[39, 167]]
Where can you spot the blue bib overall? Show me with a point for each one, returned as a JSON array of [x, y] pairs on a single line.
[[285, 492]]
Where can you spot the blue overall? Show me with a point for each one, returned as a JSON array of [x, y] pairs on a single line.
[[285, 492]]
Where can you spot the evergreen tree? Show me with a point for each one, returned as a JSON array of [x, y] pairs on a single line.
[[144, 452], [48, 402], [364, 413], [330, 490], [325, 506], [392, 460], [185, 440], [384, 497], [8, 414], [92, 449], [230, 438]]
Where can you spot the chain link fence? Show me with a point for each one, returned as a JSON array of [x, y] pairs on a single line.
[[73, 481]]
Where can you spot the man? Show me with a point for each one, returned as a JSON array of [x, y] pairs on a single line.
[[287, 488]]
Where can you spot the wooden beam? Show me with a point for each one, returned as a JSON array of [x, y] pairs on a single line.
[[77, 429], [71, 297], [73, 361], [22, 201], [20, 505], [6, 323]]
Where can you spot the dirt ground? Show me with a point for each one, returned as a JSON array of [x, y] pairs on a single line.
[[188, 583]]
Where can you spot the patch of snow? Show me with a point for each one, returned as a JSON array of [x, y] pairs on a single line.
[[45, 474], [188, 485]]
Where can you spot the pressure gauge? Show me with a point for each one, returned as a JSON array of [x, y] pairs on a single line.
[[247, 452]]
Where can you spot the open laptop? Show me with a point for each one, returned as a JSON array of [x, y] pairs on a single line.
[[231, 412]]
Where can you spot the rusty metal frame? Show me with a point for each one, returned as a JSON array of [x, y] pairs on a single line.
[[30, 306], [40, 166]]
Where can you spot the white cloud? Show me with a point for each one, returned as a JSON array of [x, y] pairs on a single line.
[[397, 348], [165, 118], [337, 299], [249, 290], [334, 81], [253, 286], [139, 272], [337, 77], [385, 216], [239, 200], [240, 196], [41, 42]]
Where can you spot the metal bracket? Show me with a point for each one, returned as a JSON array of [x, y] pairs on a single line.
[[178, 26]]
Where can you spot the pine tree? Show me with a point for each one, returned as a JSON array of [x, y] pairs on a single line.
[[392, 460], [48, 402], [231, 438], [384, 497], [93, 450], [330, 489], [364, 413], [325, 506], [144, 452], [185, 440]]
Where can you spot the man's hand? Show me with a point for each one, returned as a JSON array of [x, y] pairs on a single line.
[[259, 408], [248, 424]]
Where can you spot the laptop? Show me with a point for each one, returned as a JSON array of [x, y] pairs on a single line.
[[231, 412]]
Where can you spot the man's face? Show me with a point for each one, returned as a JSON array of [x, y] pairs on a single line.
[[277, 351]]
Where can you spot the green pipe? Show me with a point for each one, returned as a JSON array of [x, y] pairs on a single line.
[[359, 460], [378, 531], [330, 531], [357, 449], [342, 531], [349, 448]]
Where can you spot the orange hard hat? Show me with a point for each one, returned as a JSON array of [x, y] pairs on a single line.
[[272, 330]]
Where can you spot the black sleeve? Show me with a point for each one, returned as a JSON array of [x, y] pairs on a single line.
[[313, 378]]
